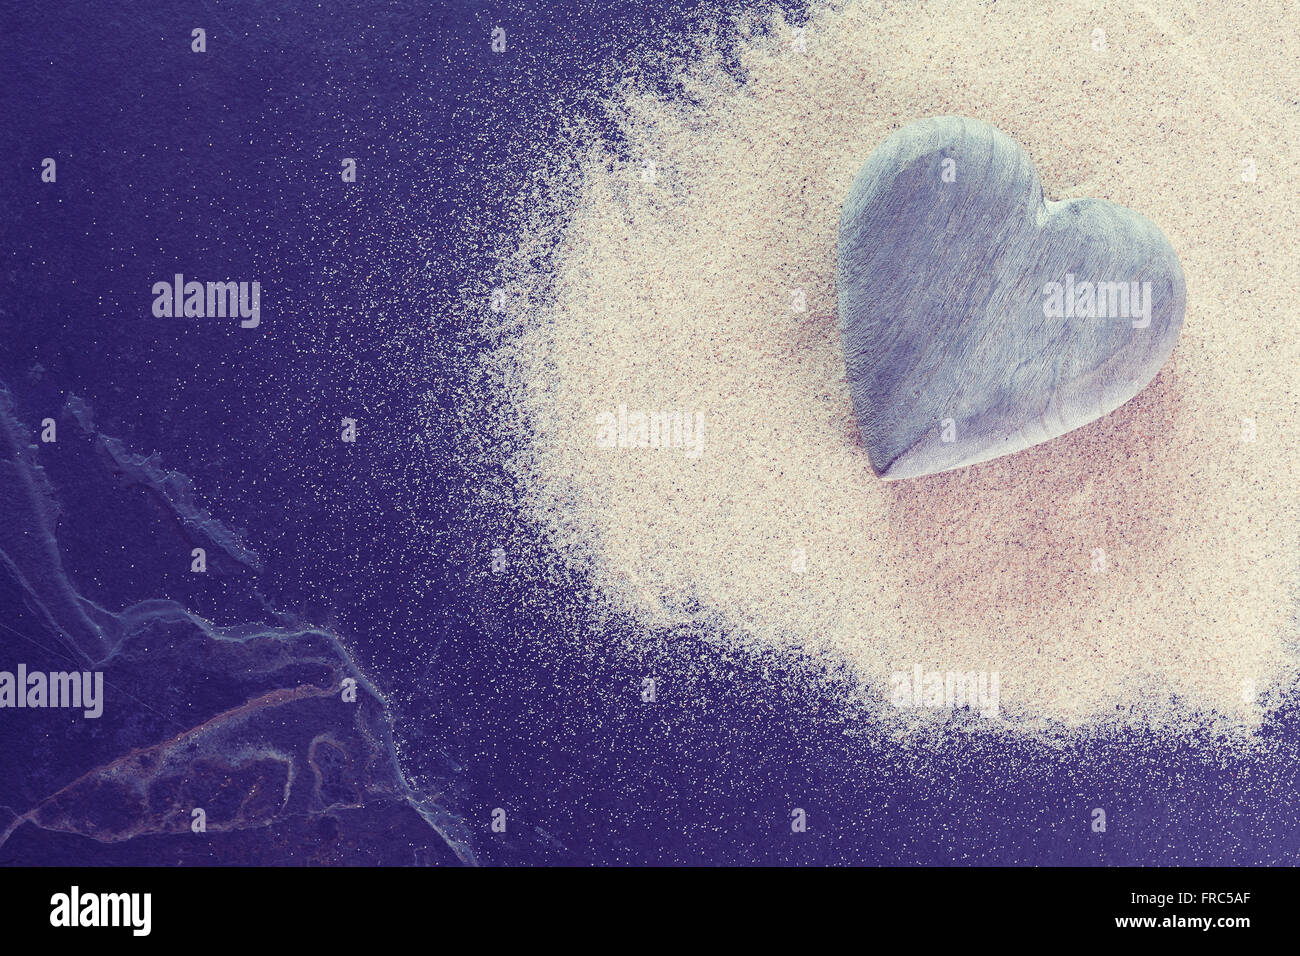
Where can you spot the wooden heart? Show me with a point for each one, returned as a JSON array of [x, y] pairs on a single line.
[[977, 319]]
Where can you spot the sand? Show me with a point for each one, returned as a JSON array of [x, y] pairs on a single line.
[[1141, 570]]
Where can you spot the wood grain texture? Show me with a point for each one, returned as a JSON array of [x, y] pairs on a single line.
[[951, 277]]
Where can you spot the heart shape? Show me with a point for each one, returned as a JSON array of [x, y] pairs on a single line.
[[978, 319]]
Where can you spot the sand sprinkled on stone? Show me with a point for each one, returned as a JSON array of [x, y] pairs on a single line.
[[1140, 570]]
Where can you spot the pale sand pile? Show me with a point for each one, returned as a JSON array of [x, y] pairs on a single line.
[[676, 295]]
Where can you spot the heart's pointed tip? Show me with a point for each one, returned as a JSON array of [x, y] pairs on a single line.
[[895, 474], [890, 471]]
